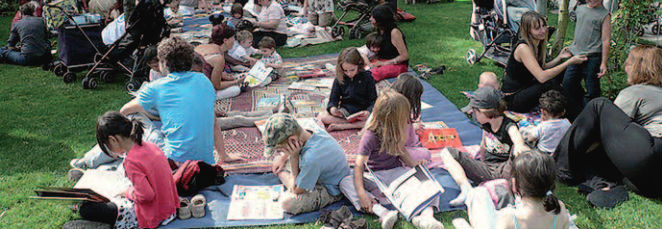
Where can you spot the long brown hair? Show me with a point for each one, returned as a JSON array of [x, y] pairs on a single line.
[[351, 56], [646, 64], [531, 20], [535, 176], [408, 85], [389, 122]]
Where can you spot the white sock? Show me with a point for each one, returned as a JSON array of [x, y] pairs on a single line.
[[379, 210], [428, 212]]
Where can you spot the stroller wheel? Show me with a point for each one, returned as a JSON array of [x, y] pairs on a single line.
[[106, 76], [89, 83], [471, 56], [338, 31], [132, 85], [69, 77], [60, 69], [355, 33]]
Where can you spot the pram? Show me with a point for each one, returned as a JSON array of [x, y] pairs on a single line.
[[497, 28], [143, 29], [357, 24]]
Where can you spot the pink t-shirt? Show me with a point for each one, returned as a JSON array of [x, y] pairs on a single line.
[[153, 192]]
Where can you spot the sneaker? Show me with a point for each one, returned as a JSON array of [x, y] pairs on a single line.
[[354, 224], [333, 219], [184, 211], [389, 219], [75, 174], [198, 204], [423, 222], [85, 224], [609, 198]]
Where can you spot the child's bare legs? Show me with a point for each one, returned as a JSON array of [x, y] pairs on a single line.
[[457, 172], [335, 123]]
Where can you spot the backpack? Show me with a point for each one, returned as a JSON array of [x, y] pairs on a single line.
[[193, 176]]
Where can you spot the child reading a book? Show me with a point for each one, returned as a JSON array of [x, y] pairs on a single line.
[[383, 149], [353, 93], [408, 85], [152, 200], [270, 57], [242, 50], [501, 141], [552, 128], [533, 179], [311, 166]]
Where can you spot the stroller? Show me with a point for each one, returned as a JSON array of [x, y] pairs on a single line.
[[355, 25], [123, 56], [497, 28]]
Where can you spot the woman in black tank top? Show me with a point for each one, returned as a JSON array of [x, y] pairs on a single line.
[[528, 75], [393, 56]]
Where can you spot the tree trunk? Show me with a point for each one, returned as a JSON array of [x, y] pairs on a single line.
[[541, 7], [561, 27]]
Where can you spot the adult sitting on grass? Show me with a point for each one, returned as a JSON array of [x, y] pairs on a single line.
[[528, 75], [221, 40], [629, 132], [393, 56], [311, 166], [185, 102], [31, 32], [270, 23], [152, 199]]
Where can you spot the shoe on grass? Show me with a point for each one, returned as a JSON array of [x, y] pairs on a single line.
[[75, 174], [608, 198], [389, 219], [426, 222]]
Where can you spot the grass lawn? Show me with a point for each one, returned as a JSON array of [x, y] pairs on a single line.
[[45, 123]]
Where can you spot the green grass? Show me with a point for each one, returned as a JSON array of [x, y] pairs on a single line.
[[45, 123]]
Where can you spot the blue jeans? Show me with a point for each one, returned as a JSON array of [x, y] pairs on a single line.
[[572, 87], [18, 58]]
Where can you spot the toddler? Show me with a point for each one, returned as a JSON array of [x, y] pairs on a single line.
[[552, 127], [242, 50]]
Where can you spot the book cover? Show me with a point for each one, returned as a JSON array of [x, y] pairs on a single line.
[[439, 138]]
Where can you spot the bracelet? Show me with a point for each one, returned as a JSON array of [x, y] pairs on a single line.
[[394, 62]]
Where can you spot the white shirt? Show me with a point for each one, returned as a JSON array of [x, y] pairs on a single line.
[[240, 53], [274, 11]]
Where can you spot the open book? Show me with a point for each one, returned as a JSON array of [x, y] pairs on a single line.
[[255, 202], [70, 194], [258, 74], [412, 192]]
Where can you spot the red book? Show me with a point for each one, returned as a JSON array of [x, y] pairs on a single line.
[[439, 138]]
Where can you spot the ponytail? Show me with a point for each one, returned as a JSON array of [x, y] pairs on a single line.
[[136, 132], [551, 203]]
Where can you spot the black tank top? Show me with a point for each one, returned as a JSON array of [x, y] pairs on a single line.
[[517, 76], [387, 50]]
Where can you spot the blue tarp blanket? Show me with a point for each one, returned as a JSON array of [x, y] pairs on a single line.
[[218, 202]]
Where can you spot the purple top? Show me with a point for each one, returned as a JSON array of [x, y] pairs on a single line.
[[370, 146]]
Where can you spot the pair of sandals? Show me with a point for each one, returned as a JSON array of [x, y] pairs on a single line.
[[602, 193], [341, 219], [427, 72], [194, 208]]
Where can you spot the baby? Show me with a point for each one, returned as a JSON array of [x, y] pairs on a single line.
[[488, 79], [243, 50], [371, 47]]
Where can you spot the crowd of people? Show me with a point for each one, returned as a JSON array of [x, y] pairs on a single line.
[[582, 138]]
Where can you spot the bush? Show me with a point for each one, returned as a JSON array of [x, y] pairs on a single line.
[[8, 7]]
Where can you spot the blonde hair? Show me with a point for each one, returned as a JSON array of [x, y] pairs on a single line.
[[243, 35], [389, 122], [529, 21], [351, 56], [646, 63]]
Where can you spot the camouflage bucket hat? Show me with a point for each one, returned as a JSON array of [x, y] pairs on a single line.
[[278, 128]]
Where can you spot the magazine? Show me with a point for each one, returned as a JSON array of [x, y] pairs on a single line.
[[255, 202], [412, 192]]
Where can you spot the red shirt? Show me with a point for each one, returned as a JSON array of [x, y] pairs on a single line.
[[153, 192]]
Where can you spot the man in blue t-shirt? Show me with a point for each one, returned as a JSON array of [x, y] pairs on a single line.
[[311, 167], [184, 101]]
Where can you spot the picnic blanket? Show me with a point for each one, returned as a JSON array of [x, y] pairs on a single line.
[[197, 28], [106, 179], [248, 141]]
